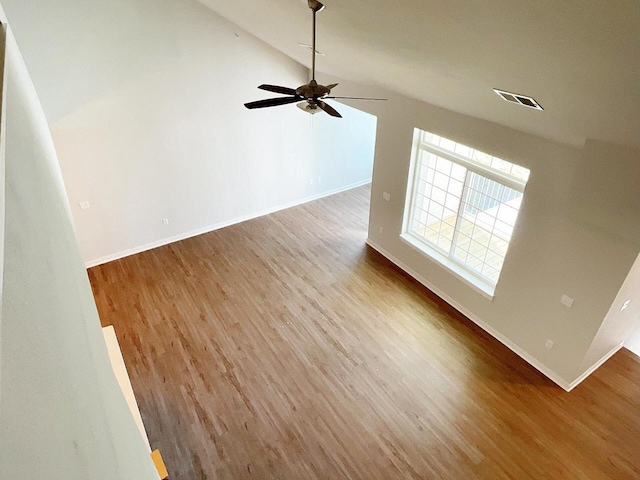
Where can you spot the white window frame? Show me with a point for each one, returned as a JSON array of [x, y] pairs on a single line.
[[479, 283]]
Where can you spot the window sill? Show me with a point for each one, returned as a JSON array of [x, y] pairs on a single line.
[[485, 289]]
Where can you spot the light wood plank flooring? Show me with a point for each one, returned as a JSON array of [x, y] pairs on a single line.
[[284, 348]]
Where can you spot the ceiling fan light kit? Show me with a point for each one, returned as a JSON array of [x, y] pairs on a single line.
[[312, 109], [312, 94]]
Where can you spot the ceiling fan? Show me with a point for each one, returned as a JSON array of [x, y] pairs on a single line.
[[311, 94]]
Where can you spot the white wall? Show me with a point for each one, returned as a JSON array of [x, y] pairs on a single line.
[[619, 325], [578, 231], [605, 197], [632, 342], [145, 103], [3, 31], [62, 414]]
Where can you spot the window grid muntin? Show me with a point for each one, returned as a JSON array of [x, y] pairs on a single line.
[[480, 258], [487, 272], [475, 165], [507, 169], [432, 163]]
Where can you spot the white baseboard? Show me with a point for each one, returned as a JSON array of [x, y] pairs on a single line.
[[594, 367], [635, 349], [632, 343], [546, 371], [217, 226]]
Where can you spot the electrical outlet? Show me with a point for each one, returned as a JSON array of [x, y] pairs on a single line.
[[386, 196], [319, 179], [311, 181], [381, 229], [165, 221], [549, 344], [567, 301], [85, 204]]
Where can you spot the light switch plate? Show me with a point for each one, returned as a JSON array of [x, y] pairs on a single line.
[[85, 204]]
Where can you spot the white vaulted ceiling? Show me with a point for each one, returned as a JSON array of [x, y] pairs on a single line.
[[579, 58]]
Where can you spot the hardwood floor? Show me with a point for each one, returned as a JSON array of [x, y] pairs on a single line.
[[284, 348]]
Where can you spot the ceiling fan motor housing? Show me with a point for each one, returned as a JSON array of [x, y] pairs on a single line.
[[312, 90]]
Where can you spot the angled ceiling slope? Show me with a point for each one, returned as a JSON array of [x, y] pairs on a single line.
[[580, 60]]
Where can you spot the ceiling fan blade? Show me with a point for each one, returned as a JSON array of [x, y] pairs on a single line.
[[271, 102], [328, 108], [332, 86], [358, 98], [277, 89]]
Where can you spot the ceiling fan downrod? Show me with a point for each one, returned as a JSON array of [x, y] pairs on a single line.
[[311, 95], [315, 7]]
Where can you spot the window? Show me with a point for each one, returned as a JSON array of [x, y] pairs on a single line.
[[462, 207]]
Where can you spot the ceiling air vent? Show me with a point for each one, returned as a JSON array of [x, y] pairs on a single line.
[[518, 99]]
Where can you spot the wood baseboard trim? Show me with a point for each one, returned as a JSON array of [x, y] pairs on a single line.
[[159, 463], [217, 226]]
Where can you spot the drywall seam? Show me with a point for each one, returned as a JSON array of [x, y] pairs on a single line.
[[546, 371], [217, 226]]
